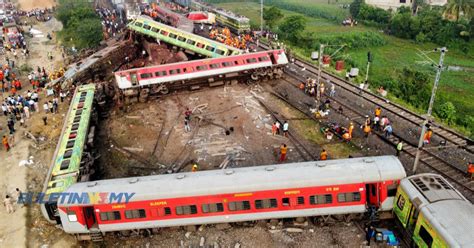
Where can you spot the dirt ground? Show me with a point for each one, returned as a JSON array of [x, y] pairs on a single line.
[[156, 131], [33, 4]]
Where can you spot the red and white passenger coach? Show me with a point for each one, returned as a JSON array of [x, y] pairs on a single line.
[[217, 71], [315, 188]]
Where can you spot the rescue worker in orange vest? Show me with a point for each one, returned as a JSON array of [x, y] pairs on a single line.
[[350, 129], [378, 111], [194, 168], [427, 137], [5, 143], [283, 151], [323, 155], [346, 136], [367, 130], [470, 170]]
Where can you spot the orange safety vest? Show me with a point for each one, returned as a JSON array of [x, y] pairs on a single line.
[[366, 129], [470, 169], [378, 112], [323, 156], [283, 149]]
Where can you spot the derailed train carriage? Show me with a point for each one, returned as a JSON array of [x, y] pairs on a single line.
[[73, 158], [145, 81], [433, 213], [336, 187]]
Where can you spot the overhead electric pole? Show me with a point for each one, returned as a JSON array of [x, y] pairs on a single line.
[[320, 61], [430, 106], [261, 17]]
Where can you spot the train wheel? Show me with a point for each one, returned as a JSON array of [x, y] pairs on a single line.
[[164, 90], [254, 77]]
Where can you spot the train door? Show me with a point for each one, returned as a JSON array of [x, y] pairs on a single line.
[[274, 58], [134, 79], [89, 216], [372, 194]]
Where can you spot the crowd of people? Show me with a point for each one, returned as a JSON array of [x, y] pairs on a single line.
[[225, 36], [112, 23]]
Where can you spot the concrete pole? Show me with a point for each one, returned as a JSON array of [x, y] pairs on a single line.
[[430, 107], [261, 17], [367, 75], [320, 61]]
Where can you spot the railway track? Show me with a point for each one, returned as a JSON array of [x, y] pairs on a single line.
[[452, 137], [300, 147], [427, 158]]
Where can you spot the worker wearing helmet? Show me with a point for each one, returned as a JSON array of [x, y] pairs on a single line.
[[194, 168], [323, 155]]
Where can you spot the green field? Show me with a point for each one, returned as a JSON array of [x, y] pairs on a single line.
[[455, 86]]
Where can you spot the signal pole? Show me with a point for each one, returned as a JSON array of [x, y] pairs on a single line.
[[369, 59], [320, 61], [430, 106]]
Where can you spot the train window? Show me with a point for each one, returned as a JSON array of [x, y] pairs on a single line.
[[214, 66], [146, 75], [200, 45], [189, 209], [175, 71], [251, 60], [401, 202], [320, 199], [147, 27], [226, 64], [285, 202], [263, 59], [163, 32], [172, 36], [67, 153], [210, 49], [426, 236], [220, 52], [239, 205], [160, 73], [201, 67], [191, 42], [348, 197], [300, 200], [71, 216], [65, 164], [181, 38], [391, 190], [138, 24], [167, 211], [113, 215], [135, 214], [153, 29], [266, 203], [212, 208]]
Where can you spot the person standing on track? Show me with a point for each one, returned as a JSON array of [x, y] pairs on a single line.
[[367, 130], [277, 123], [285, 128], [323, 155], [283, 151], [274, 129], [388, 131], [427, 137], [399, 148], [350, 129], [378, 111]]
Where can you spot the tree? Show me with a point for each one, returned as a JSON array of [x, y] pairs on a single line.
[[447, 112], [271, 16], [354, 8], [457, 8], [82, 26], [291, 27]]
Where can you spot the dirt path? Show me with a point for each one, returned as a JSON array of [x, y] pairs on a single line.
[[32, 4], [14, 227]]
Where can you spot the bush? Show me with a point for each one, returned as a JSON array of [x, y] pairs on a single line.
[[447, 112], [413, 86], [420, 38], [350, 39]]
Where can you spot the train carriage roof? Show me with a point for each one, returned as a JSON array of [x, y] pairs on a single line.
[[250, 179], [453, 221], [445, 208]]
